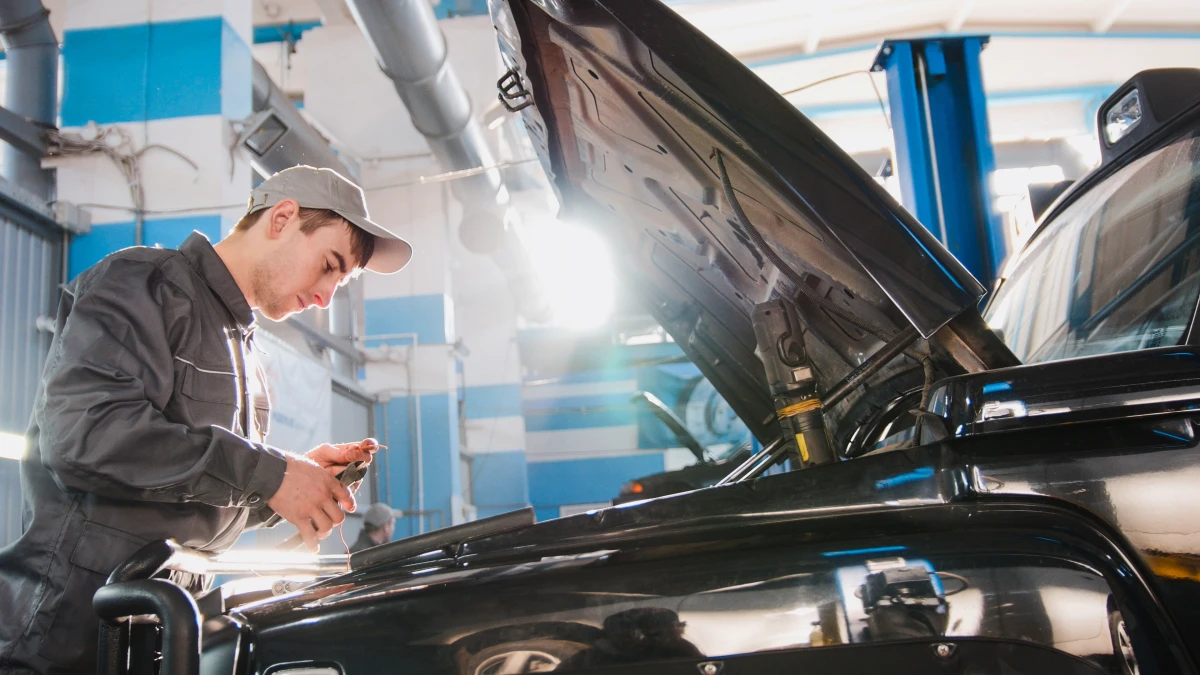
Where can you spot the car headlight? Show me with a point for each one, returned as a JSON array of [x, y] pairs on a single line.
[[1123, 116]]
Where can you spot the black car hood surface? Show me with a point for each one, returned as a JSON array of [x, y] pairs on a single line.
[[631, 109]]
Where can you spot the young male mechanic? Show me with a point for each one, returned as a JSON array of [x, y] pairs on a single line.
[[150, 417]]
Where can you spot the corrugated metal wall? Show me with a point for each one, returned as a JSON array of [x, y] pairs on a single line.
[[29, 268]]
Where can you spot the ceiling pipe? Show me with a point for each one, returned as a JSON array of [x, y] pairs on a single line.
[[32, 89], [410, 48], [277, 137], [288, 139]]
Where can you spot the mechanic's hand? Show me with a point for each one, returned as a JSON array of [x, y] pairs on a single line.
[[335, 457], [311, 499]]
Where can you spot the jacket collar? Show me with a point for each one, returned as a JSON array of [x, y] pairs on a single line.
[[203, 257]]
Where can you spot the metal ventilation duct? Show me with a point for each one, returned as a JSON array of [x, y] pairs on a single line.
[[32, 90], [411, 50], [278, 137]]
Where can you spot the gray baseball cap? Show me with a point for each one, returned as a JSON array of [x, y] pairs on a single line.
[[378, 515], [314, 188]]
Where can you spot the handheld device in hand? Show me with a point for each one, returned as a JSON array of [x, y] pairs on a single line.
[[354, 472]]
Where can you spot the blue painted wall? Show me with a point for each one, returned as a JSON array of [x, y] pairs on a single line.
[[429, 316], [492, 400], [164, 232], [148, 72], [581, 481], [579, 412], [500, 481], [440, 447], [283, 32], [448, 9], [155, 71], [583, 427]]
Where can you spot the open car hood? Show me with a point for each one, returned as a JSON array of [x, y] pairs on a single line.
[[632, 112]]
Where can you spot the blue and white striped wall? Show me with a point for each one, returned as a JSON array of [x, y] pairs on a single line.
[[412, 316], [494, 420], [418, 420], [496, 443], [172, 74], [582, 435], [436, 488]]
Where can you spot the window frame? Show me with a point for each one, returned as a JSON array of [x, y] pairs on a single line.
[[1189, 122]]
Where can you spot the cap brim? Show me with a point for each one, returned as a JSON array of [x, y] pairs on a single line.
[[391, 254]]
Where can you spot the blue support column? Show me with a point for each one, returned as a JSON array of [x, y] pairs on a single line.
[[943, 145]]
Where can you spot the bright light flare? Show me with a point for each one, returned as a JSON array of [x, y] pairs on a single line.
[[269, 561], [266, 557], [12, 446], [1016, 181], [1087, 147], [575, 268]]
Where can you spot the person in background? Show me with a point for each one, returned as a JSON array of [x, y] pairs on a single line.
[[379, 524]]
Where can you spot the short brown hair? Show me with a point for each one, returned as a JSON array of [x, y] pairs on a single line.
[[362, 243]]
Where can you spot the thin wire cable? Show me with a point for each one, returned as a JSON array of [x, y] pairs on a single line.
[[423, 180], [342, 536], [151, 212], [452, 175], [878, 96], [961, 579], [117, 144]]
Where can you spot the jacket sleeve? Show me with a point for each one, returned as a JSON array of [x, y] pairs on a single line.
[[263, 518], [106, 382]]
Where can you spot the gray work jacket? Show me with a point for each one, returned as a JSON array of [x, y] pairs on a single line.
[[147, 425]]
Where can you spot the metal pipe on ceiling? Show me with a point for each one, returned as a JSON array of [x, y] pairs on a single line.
[[32, 89], [299, 143], [411, 50]]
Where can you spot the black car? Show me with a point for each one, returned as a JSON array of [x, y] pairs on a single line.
[[1009, 495]]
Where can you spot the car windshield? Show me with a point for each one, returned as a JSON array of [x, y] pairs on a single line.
[[1117, 270]]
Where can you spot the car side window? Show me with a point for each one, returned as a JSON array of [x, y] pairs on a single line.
[[1117, 270]]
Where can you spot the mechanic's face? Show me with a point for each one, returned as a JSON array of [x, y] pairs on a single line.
[[300, 270]]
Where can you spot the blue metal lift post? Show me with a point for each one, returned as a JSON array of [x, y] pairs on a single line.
[[943, 147]]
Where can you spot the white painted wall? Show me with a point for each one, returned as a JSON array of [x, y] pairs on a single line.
[[346, 92]]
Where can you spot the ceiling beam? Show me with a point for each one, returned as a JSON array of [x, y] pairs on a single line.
[[956, 22], [335, 13], [870, 42], [812, 42], [1110, 16]]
